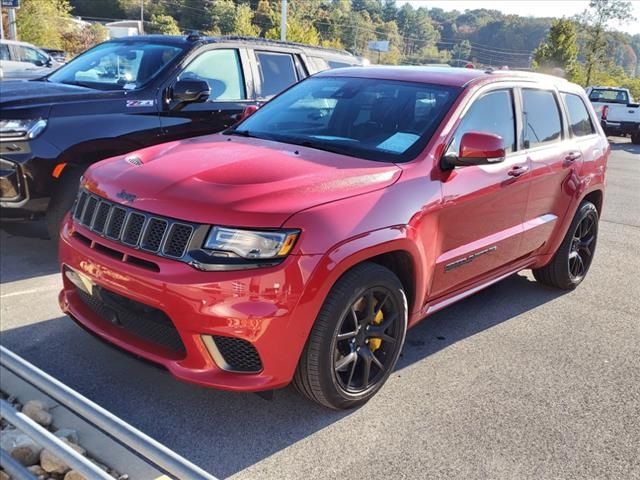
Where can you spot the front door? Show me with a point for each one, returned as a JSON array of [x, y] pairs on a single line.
[[226, 75], [481, 222]]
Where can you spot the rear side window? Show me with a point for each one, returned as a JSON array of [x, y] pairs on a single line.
[[579, 120], [609, 96], [491, 113], [277, 72], [221, 69], [4, 52], [541, 117]]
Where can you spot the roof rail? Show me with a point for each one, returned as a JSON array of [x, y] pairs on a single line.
[[268, 41]]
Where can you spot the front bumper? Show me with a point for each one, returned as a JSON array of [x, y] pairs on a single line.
[[258, 307], [25, 176]]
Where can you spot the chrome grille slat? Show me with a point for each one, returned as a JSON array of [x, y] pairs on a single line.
[[161, 236]]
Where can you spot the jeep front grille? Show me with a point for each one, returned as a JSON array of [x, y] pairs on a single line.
[[159, 235]]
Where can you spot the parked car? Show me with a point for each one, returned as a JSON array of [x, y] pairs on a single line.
[[619, 114], [130, 93], [23, 60], [58, 55], [301, 244]]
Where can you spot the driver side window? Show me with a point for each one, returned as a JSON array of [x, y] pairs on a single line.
[[221, 69], [491, 113]]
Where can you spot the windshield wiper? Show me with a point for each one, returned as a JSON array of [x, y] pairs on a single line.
[[80, 84], [241, 133], [342, 150]]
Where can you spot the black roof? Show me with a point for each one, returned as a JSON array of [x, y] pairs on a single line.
[[197, 39]]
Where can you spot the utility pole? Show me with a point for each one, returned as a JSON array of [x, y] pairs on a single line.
[[1, 23], [13, 29], [283, 21], [141, 16]]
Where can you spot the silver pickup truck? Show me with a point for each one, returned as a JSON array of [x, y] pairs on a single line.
[[618, 113]]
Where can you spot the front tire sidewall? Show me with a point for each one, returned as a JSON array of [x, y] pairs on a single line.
[[363, 396]]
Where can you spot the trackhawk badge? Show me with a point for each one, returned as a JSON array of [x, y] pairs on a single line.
[[126, 196]]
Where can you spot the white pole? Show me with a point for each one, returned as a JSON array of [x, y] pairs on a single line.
[[141, 16], [283, 22], [13, 30], [1, 23]]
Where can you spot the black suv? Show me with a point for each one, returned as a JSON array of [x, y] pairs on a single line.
[[130, 93]]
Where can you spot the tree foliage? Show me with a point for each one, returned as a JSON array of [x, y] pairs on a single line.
[[163, 24], [41, 22], [560, 50]]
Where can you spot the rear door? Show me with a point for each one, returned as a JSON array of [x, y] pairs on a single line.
[[276, 71], [228, 73], [481, 222], [555, 158]]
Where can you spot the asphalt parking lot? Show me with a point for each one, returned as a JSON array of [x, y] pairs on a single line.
[[519, 381]]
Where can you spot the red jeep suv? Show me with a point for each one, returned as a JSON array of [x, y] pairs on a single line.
[[300, 245]]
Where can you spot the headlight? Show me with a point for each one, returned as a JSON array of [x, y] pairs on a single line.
[[250, 244], [21, 129]]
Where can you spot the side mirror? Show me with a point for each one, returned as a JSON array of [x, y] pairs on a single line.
[[190, 91], [39, 63], [476, 148]]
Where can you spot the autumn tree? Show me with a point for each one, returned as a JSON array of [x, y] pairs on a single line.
[[597, 19]]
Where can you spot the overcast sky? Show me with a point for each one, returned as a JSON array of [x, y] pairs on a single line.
[[537, 8]]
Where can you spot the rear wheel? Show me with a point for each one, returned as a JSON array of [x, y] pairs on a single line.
[[571, 262], [64, 194], [356, 339], [635, 138]]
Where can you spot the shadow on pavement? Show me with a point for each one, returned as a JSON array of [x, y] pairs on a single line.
[[241, 429], [25, 251]]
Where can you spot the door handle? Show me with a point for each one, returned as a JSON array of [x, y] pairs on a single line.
[[518, 170], [572, 156]]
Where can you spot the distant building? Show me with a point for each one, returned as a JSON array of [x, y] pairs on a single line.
[[124, 28]]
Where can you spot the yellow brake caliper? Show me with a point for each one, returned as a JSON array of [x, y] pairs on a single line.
[[374, 343]]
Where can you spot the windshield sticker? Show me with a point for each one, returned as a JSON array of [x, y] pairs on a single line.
[[398, 142], [139, 103]]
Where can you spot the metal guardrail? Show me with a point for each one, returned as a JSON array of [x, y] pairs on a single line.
[[121, 432], [14, 468]]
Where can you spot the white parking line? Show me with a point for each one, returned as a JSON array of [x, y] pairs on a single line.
[[30, 291]]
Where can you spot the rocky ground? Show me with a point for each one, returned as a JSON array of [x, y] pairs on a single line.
[[43, 464]]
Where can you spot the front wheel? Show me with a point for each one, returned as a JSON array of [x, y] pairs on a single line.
[[64, 194], [356, 339], [571, 262]]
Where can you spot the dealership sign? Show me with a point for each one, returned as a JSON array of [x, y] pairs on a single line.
[[11, 3]]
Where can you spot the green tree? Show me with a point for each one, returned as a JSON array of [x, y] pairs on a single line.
[[163, 24], [597, 19], [42, 22], [243, 25], [76, 38], [560, 49], [223, 17], [461, 50]]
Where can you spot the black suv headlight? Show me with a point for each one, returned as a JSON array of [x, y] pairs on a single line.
[[21, 129]]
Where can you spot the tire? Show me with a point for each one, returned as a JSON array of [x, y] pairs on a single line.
[[64, 194], [570, 264], [635, 138], [368, 299]]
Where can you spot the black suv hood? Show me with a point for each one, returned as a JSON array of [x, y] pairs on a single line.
[[40, 93]]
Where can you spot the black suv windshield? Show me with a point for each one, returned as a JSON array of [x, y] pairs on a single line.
[[374, 119], [116, 65]]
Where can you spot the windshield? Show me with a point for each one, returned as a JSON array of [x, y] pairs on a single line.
[[609, 96], [368, 118], [116, 65]]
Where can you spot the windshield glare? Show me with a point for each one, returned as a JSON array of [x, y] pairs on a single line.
[[374, 119], [116, 65]]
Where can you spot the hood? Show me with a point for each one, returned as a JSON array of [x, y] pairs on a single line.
[[235, 181], [28, 93]]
